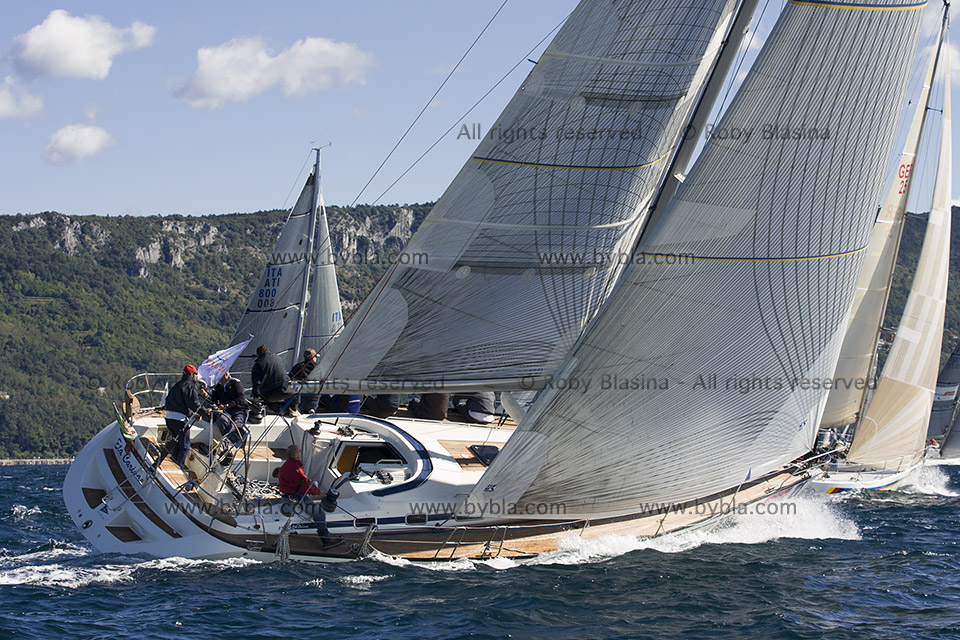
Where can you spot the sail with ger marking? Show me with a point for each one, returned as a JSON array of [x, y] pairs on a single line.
[[893, 431], [272, 315], [703, 370], [513, 261], [858, 353]]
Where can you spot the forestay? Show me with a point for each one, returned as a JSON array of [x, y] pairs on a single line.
[[893, 431], [510, 265], [704, 372]]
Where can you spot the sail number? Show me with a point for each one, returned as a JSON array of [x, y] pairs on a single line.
[[267, 294], [903, 173]]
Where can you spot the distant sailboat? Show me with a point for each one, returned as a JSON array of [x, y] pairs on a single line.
[[891, 431], [573, 264], [296, 303]]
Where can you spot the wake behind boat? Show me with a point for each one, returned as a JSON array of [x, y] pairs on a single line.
[[773, 229]]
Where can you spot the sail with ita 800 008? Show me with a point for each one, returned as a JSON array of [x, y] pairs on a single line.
[[891, 423], [746, 270]]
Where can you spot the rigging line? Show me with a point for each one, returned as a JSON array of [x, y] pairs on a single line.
[[470, 110], [427, 105]]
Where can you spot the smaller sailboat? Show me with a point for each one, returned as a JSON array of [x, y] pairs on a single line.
[[943, 434], [891, 428]]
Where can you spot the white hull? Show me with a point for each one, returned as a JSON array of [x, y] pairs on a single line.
[[122, 508], [838, 480]]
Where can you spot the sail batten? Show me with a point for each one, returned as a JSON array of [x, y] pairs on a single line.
[[701, 373], [534, 231]]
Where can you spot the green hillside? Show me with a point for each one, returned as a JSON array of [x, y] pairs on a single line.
[[87, 301]]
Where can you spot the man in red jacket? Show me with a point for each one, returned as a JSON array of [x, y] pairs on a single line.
[[292, 481]]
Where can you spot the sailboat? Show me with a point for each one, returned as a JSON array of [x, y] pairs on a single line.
[[942, 435], [296, 302], [892, 423], [647, 326]]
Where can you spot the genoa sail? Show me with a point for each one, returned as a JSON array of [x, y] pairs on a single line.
[[703, 372], [324, 314], [892, 434], [534, 231], [858, 354]]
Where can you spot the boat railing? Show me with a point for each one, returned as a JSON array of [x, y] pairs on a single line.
[[150, 389]]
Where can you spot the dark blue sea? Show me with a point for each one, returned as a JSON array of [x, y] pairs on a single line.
[[885, 565]]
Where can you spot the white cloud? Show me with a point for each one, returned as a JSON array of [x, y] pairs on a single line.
[[76, 142], [66, 46], [244, 67], [17, 103]]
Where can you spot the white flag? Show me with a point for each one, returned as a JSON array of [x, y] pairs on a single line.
[[220, 362]]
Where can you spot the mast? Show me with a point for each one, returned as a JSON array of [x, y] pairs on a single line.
[[310, 257]]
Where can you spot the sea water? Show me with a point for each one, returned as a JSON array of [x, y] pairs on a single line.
[[877, 565]]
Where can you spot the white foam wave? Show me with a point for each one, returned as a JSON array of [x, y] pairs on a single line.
[[56, 575], [316, 582], [930, 480], [56, 550], [361, 582], [20, 512]]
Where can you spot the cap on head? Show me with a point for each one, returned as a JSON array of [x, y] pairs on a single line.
[[308, 354], [189, 370]]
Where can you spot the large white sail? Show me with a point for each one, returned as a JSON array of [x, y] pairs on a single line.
[[702, 370], [503, 275], [893, 431], [324, 314], [857, 355], [272, 315]]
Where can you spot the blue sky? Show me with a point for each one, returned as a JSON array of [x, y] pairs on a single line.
[[176, 107]]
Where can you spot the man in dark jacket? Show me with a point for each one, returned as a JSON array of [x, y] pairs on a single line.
[[228, 395], [182, 401], [269, 376], [300, 371]]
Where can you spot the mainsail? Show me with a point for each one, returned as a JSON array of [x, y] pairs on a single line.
[[704, 367], [892, 433], [530, 237], [278, 311], [858, 354]]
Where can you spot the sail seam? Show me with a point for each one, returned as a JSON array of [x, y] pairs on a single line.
[[860, 7], [765, 259], [541, 165]]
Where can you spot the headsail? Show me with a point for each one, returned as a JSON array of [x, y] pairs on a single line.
[[324, 313], [503, 275], [855, 366], [892, 433], [704, 365]]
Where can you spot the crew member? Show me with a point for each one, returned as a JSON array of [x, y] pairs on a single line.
[[291, 480], [182, 401]]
